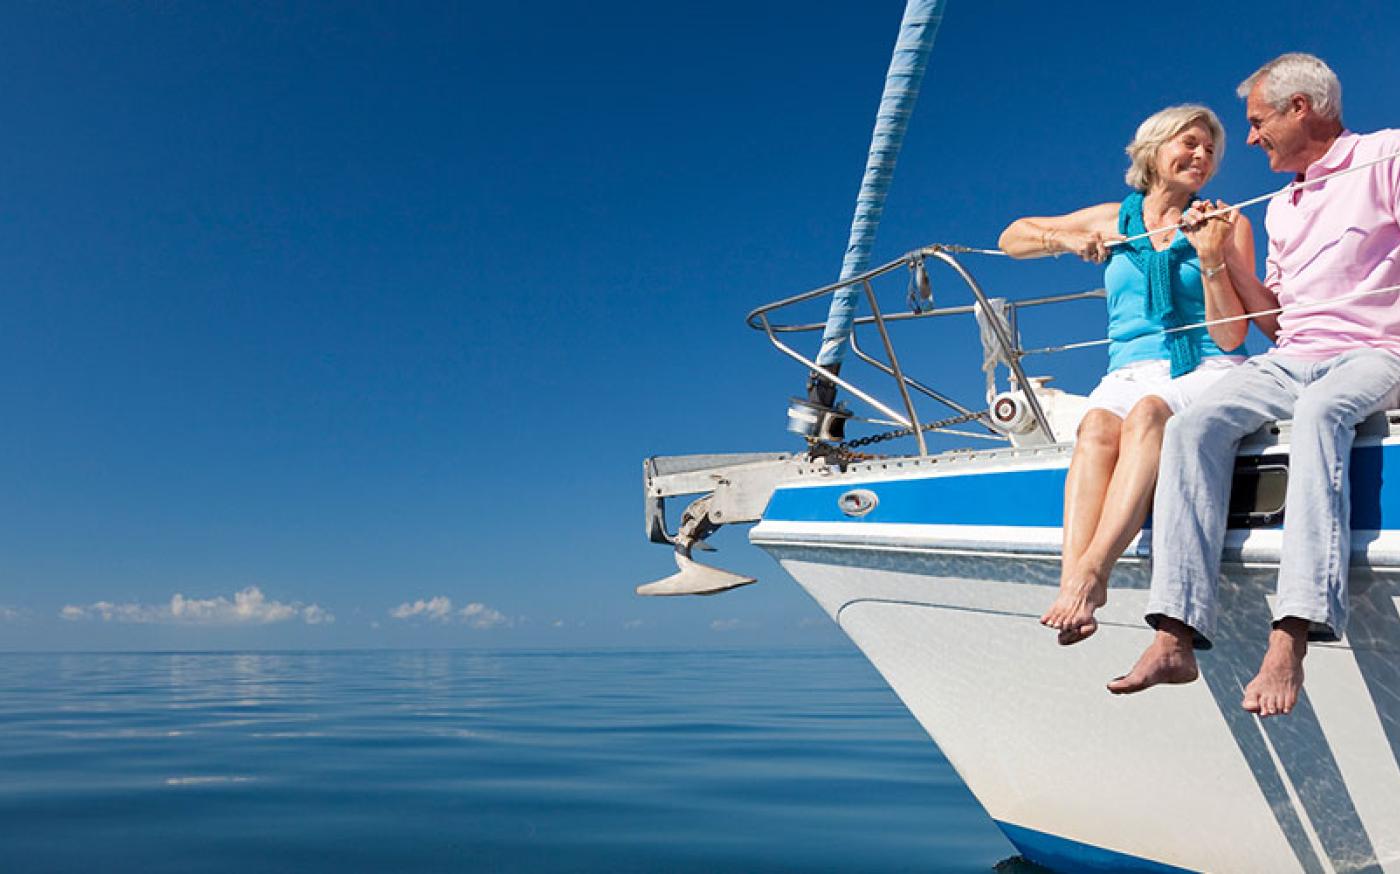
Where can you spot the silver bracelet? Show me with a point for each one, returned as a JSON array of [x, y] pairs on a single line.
[[1212, 272]]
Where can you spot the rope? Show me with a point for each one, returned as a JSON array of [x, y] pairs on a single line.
[[1323, 304], [847, 448], [1287, 189]]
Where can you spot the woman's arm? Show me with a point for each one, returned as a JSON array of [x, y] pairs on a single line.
[[1084, 233], [1224, 244], [1254, 295]]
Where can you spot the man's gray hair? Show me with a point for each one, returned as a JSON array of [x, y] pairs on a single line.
[[1298, 73], [1158, 129]]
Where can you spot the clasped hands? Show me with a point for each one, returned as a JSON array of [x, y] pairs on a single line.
[[1213, 236]]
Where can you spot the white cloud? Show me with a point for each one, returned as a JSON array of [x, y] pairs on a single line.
[[478, 615], [248, 607], [635, 623], [438, 609], [732, 625], [314, 614], [10, 614], [110, 612]]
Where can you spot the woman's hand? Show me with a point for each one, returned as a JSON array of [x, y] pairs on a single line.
[[1092, 246], [1086, 232], [1213, 237]]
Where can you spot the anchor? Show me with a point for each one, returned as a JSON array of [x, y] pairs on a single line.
[[695, 578], [733, 488]]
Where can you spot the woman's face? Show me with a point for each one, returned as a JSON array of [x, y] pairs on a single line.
[[1186, 160]]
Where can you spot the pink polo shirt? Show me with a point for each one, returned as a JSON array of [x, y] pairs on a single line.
[[1333, 239]]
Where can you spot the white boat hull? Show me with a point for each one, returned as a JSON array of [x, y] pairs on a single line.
[[1177, 778]]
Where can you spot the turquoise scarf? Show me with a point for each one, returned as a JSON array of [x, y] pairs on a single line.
[[1158, 268]]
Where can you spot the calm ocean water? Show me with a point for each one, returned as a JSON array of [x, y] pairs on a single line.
[[464, 761]]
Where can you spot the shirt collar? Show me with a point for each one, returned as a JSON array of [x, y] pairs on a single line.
[[1336, 157]]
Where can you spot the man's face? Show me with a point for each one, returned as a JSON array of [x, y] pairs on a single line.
[[1281, 135]]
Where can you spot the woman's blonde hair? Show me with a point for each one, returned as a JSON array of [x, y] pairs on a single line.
[[1158, 129]]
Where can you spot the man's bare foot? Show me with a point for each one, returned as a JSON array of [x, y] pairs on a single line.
[[1274, 690], [1072, 614], [1170, 658]]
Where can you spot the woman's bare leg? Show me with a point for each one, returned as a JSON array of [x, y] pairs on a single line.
[[1090, 471], [1125, 508]]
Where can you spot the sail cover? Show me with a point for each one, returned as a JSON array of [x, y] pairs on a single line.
[[911, 51]]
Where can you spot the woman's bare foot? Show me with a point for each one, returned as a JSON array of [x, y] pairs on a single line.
[[1072, 614], [1274, 690], [1170, 658]]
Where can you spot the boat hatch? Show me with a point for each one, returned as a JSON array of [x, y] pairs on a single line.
[[1257, 495]]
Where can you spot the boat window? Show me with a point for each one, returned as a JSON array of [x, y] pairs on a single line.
[[1257, 496]]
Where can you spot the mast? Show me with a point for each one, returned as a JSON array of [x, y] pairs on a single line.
[[916, 33]]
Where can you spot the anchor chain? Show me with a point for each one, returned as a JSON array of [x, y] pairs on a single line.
[[847, 449]]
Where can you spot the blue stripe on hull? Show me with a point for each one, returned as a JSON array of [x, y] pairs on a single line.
[[1059, 854], [1023, 497], [1034, 497]]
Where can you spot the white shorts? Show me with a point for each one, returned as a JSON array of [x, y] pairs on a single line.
[[1121, 389]]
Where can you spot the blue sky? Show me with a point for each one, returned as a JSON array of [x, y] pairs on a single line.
[[350, 324]]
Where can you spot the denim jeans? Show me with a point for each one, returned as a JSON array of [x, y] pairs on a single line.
[[1326, 401]]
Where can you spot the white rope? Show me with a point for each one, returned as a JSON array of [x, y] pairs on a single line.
[[1287, 189], [1322, 304]]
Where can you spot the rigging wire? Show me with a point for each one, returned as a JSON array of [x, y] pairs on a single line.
[[1287, 189], [1296, 185], [1316, 305], [1291, 187]]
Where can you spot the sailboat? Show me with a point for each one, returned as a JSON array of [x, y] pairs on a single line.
[[938, 565]]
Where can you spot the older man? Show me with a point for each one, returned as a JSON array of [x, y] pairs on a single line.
[[1336, 361]]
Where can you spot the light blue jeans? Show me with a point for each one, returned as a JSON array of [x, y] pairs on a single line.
[[1326, 401]]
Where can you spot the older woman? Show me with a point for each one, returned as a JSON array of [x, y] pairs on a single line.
[[1166, 280]]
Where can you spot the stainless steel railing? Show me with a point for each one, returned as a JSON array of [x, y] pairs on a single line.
[[1006, 336]]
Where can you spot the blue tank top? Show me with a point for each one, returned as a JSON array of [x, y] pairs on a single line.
[[1136, 336]]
